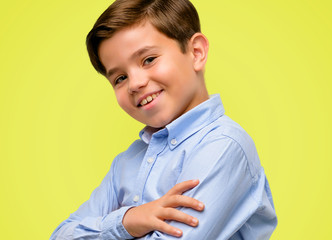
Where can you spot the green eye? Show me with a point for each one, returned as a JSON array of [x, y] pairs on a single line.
[[148, 60], [120, 79]]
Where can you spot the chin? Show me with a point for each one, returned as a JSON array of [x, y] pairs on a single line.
[[158, 123]]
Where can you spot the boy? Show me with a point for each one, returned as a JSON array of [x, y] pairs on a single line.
[[153, 54]]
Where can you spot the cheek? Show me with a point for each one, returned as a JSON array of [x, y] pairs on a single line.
[[175, 72], [164, 70], [122, 100]]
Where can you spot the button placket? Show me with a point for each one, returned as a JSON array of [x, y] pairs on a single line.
[[155, 147]]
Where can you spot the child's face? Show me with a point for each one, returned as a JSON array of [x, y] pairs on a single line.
[[154, 82]]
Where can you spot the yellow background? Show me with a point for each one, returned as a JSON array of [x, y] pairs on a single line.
[[60, 126]]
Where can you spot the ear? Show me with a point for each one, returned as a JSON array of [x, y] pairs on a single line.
[[199, 48]]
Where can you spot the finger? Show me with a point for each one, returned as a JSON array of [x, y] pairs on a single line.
[[183, 201], [183, 187], [168, 229], [176, 215]]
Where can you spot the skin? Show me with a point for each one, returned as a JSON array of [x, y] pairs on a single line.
[[151, 216], [141, 62]]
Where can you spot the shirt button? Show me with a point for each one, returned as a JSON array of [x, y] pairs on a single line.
[[136, 198], [150, 160], [173, 141]]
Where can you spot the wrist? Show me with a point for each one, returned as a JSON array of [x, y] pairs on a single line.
[[128, 223]]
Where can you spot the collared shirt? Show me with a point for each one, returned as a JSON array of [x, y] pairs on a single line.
[[201, 144]]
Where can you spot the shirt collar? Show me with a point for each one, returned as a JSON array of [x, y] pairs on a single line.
[[188, 123]]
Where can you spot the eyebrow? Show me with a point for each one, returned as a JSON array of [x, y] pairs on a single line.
[[141, 51], [111, 72], [136, 54]]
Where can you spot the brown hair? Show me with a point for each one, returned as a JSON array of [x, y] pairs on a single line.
[[177, 19]]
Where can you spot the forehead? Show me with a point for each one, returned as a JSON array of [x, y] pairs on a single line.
[[127, 41]]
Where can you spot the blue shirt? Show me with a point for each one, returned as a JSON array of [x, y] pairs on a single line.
[[201, 144]]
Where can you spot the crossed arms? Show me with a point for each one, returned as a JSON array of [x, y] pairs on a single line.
[[230, 192]]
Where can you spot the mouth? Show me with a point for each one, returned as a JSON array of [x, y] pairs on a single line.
[[148, 99]]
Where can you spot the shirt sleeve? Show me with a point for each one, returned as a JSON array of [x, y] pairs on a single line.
[[98, 218], [234, 189]]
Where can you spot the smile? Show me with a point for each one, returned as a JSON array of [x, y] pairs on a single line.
[[149, 99]]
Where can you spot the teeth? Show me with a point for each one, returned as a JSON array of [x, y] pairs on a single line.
[[149, 99]]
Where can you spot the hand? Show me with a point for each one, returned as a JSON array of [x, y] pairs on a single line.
[[151, 216]]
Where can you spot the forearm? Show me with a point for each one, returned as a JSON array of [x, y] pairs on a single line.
[[98, 218], [103, 227]]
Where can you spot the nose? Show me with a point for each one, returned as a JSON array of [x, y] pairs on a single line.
[[137, 81]]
